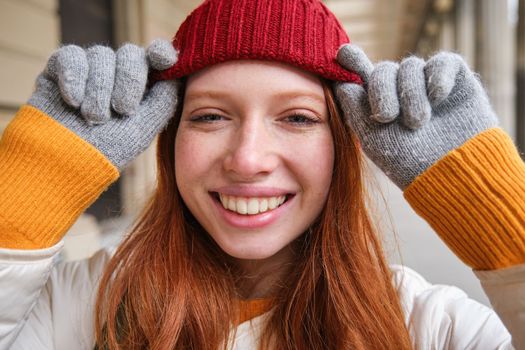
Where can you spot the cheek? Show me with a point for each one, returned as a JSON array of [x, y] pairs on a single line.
[[315, 162], [189, 162], [182, 155], [325, 157], [197, 160]]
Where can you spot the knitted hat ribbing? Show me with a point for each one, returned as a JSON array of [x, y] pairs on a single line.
[[303, 33]]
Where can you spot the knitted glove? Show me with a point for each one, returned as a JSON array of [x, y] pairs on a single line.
[[101, 96], [410, 115]]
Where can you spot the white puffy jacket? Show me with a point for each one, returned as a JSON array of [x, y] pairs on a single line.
[[48, 305]]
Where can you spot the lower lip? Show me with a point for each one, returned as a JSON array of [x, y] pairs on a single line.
[[252, 221]]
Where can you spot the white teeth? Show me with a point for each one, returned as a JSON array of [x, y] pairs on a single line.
[[231, 205], [250, 206], [263, 205], [253, 206], [242, 206]]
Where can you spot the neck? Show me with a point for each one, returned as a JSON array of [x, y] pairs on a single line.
[[262, 278]]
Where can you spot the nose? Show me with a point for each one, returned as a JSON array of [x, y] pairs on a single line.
[[253, 152]]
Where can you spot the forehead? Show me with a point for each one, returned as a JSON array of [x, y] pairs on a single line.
[[251, 76]]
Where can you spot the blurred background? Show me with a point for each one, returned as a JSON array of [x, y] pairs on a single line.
[[490, 34]]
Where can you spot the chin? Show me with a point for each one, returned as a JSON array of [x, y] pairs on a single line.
[[258, 251]]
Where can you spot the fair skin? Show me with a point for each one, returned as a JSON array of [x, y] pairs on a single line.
[[254, 134]]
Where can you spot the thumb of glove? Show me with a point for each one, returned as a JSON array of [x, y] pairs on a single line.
[[353, 100]]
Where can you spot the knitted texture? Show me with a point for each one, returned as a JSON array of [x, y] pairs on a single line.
[[90, 115], [474, 199], [410, 115], [101, 96], [48, 177], [251, 308], [303, 33]]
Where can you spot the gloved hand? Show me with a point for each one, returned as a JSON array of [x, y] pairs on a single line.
[[101, 96], [409, 115]]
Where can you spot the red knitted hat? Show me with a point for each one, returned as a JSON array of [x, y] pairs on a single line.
[[303, 33]]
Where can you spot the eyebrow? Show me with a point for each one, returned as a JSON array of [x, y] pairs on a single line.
[[287, 94]]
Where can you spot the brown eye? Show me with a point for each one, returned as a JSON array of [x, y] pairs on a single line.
[[207, 118], [301, 119]]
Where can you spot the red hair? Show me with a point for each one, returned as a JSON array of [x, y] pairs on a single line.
[[169, 286]]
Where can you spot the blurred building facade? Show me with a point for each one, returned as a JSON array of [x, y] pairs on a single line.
[[488, 33]]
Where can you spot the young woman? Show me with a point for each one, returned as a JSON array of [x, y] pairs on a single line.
[[257, 235]]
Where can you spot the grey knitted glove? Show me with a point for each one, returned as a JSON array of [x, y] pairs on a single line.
[[409, 115], [101, 96]]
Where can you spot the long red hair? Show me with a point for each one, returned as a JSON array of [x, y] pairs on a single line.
[[169, 286]]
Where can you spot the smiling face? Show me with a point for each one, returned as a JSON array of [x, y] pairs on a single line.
[[254, 154]]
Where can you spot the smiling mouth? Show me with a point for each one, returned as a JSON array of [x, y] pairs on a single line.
[[250, 205]]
